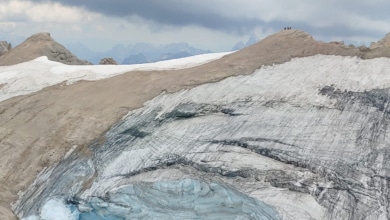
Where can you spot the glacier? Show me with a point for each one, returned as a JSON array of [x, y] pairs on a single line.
[[306, 139], [182, 199]]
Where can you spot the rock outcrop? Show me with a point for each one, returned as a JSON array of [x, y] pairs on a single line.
[[385, 42], [41, 44], [289, 142], [108, 61], [4, 47]]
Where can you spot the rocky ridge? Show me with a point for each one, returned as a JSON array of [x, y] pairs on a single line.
[[41, 44], [81, 121], [4, 47], [385, 42]]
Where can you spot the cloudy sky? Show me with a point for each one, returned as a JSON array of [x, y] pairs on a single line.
[[212, 24]]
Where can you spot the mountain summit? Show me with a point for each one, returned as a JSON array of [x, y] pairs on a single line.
[[41, 44]]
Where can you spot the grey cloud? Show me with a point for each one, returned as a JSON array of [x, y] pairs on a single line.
[[208, 14], [168, 12]]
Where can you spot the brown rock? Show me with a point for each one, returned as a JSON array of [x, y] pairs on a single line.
[[40, 45], [4, 47], [108, 61], [385, 42], [6, 214]]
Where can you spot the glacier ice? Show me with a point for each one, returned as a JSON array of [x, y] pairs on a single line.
[[182, 199], [307, 139]]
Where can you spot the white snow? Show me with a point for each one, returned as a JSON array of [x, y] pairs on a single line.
[[32, 76], [55, 210]]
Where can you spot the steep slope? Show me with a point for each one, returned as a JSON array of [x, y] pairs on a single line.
[[37, 45], [38, 129]]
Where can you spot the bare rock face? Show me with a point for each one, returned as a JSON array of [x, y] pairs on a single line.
[[385, 42], [4, 47], [108, 61], [41, 44]]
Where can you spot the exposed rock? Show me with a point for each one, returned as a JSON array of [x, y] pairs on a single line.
[[338, 42], [4, 47], [108, 61], [40, 45], [6, 214], [363, 48], [385, 42], [272, 138]]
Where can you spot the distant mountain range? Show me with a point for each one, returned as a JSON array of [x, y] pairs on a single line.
[[133, 53], [240, 45], [145, 52], [137, 53]]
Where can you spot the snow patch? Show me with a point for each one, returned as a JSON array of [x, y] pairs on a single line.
[[32, 76], [55, 210]]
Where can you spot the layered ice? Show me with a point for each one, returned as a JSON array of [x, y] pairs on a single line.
[[182, 199]]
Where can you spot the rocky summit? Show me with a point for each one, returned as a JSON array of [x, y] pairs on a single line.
[[41, 44], [289, 128]]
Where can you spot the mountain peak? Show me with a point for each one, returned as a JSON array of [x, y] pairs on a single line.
[[41, 44], [384, 42], [294, 33], [43, 36]]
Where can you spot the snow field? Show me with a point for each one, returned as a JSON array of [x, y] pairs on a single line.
[[32, 76]]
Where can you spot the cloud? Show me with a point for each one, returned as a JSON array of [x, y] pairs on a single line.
[[7, 26], [217, 22], [170, 13], [54, 12], [76, 29], [242, 17]]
